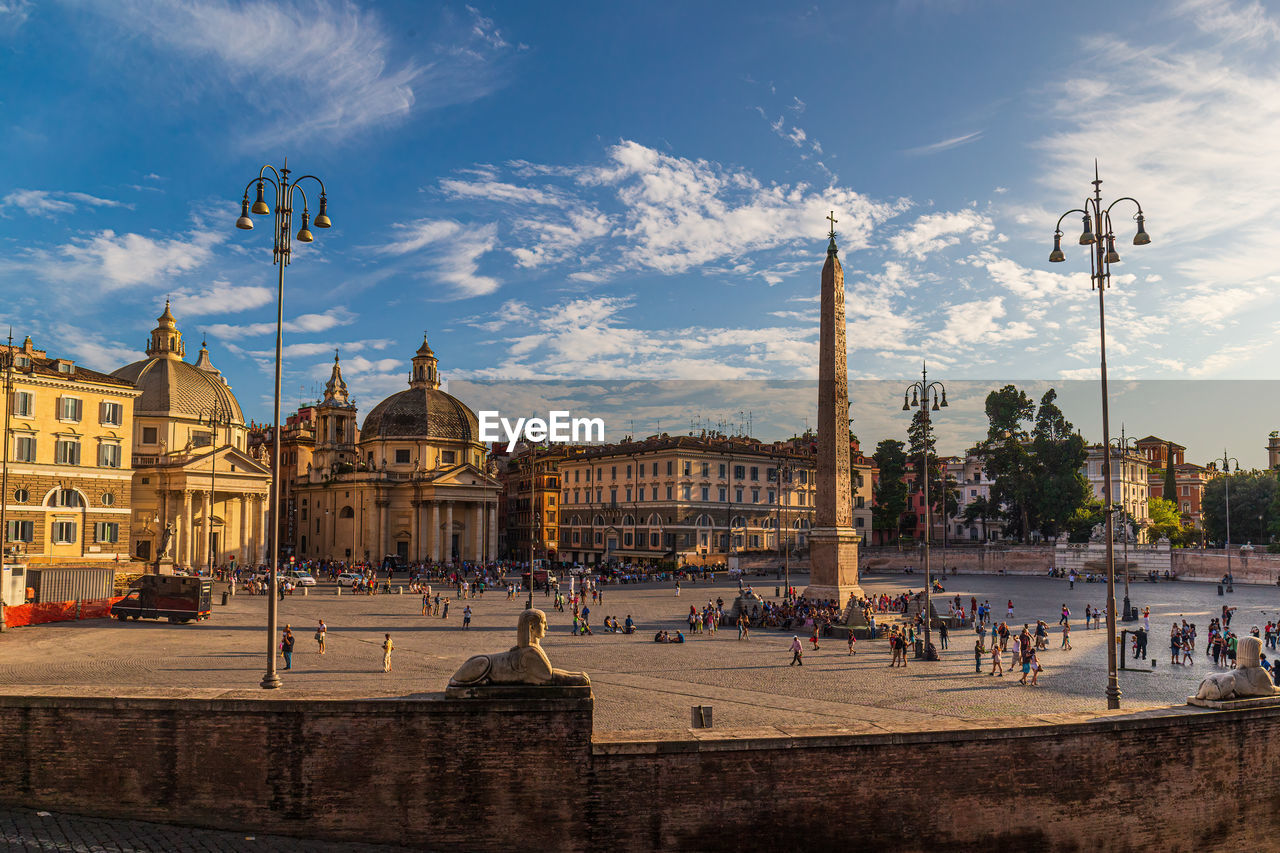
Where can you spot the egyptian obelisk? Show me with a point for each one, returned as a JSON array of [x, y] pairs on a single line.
[[833, 543]]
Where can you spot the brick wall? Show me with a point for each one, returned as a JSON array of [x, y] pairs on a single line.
[[967, 559], [488, 775], [470, 774]]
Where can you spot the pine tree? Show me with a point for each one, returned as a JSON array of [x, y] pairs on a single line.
[[1170, 479]]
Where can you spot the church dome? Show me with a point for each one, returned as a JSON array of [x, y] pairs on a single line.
[[170, 385], [423, 411]]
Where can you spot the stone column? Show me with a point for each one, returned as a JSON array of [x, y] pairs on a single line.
[[415, 529], [208, 529], [478, 521], [384, 525], [492, 509], [187, 527], [435, 531], [833, 542], [448, 533], [244, 528]]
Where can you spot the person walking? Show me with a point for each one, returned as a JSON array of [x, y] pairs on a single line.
[[977, 656], [466, 617], [997, 665], [943, 634], [387, 646], [814, 638], [1066, 636], [1065, 615], [852, 640], [321, 633], [1035, 668], [444, 614], [797, 651]]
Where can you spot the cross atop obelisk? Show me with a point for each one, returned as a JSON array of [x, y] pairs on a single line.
[[834, 542]]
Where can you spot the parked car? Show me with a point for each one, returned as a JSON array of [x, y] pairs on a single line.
[[300, 577], [349, 579]]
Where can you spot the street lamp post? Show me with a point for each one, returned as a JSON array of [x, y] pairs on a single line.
[[1124, 445], [281, 254], [1098, 233], [1226, 482], [919, 392]]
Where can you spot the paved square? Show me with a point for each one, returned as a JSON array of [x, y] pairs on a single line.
[[639, 685]]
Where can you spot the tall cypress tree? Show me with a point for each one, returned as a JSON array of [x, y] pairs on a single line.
[[1170, 479]]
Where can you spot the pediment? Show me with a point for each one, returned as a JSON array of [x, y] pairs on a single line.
[[464, 475], [225, 458]]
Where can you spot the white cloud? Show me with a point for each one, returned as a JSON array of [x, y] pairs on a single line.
[[50, 203], [946, 144], [976, 324], [110, 262], [935, 231], [314, 69], [449, 253], [304, 323], [221, 298]]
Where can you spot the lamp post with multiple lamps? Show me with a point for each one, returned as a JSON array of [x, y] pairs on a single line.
[[1098, 234], [1226, 483], [1125, 445], [281, 253], [785, 472], [217, 415], [919, 392]]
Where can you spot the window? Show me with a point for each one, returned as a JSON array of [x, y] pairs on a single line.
[[706, 469], [106, 532], [626, 540], [739, 472], [108, 499], [24, 403], [669, 467], [613, 472], [857, 522], [201, 438], [576, 473], [402, 456], [685, 492], [628, 493], [755, 496], [447, 457], [628, 472], [771, 496], [737, 495], [66, 497], [724, 493], [22, 496], [755, 474], [69, 408], [655, 469], [109, 455], [613, 496], [111, 413], [653, 540], [804, 476], [706, 493], [668, 493], [24, 448], [688, 469], [149, 435], [64, 533], [722, 470], [21, 531], [67, 451]]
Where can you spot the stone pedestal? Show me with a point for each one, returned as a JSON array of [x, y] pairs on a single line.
[[833, 557]]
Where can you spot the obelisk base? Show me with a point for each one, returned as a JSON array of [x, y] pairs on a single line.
[[833, 560]]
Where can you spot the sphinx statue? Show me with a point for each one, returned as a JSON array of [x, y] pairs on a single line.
[[1248, 679], [524, 665]]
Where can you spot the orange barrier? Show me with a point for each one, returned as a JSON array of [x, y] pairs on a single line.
[[57, 611]]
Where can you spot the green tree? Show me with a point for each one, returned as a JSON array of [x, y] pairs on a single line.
[[1170, 478], [1166, 521], [1253, 506], [1007, 458], [1085, 518], [1058, 456], [978, 510], [891, 491]]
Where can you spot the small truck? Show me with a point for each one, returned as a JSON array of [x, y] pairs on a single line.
[[178, 599]]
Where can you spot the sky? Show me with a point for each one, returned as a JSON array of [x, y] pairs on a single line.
[[611, 192]]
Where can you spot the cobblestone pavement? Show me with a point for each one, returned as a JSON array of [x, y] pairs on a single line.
[[639, 685], [25, 829]]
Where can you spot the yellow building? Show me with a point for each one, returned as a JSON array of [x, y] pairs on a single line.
[[697, 499], [191, 472], [69, 493], [411, 483]]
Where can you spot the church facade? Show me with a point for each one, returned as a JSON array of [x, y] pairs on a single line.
[[198, 496], [412, 483]]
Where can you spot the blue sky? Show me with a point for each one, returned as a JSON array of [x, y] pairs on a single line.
[[608, 191]]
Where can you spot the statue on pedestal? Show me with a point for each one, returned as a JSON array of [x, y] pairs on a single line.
[[525, 665]]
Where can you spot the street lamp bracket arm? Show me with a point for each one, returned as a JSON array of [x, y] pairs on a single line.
[[1058, 227], [1125, 198], [314, 178], [259, 179]]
